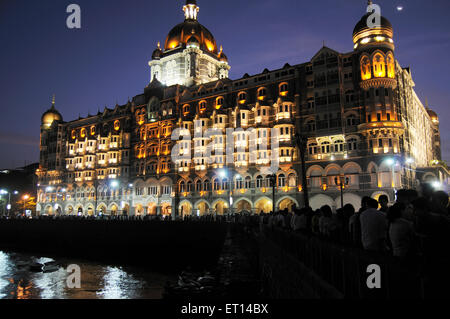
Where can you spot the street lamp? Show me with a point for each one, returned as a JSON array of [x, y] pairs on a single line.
[[273, 183], [25, 197], [391, 162], [224, 173], [302, 144], [341, 183], [4, 192]]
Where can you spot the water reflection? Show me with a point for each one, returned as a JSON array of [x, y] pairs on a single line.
[[97, 281]]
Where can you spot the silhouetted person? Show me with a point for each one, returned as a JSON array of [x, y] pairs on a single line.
[[373, 228], [439, 202], [325, 221], [355, 222], [384, 203], [401, 232]]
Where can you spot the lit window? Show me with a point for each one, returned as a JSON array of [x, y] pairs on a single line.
[[366, 73], [202, 106], [379, 67], [117, 125]]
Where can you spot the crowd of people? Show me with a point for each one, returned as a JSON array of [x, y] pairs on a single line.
[[408, 228]]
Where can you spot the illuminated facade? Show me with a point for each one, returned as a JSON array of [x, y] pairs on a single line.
[[358, 113]]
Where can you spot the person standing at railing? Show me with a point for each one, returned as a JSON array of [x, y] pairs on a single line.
[[355, 223], [401, 232], [315, 222], [384, 203], [373, 228], [326, 225]]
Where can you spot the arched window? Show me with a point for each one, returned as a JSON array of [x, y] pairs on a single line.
[[352, 144], [281, 180], [182, 187], [310, 126], [225, 184], [190, 187], [198, 186], [390, 65], [248, 182], [313, 148], [351, 120], [379, 65], [325, 147], [219, 102], [216, 184], [239, 182], [206, 185], [262, 92], [283, 89], [259, 181], [202, 106], [186, 109], [242, 97], [292, 181], [366, 72], [338, 146]]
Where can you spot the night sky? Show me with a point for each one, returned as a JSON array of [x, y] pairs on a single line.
[[106, 61]]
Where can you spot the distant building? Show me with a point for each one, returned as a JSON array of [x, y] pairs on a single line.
[[358, 113]]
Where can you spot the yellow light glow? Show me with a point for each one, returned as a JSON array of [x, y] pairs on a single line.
[[117, 125], [365, 40], [324, 187], [300, 188], [380, 39]]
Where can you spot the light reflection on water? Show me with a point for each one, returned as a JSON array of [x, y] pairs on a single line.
[[97, 281]]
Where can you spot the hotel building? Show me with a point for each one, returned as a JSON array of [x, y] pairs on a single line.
[[354, 116]]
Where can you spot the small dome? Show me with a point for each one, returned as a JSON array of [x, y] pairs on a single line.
[[157, 54], [362, 26], [223, 57], [433, 115], [51, 116]]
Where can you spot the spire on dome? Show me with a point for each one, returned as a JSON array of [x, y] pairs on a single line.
[[191, 10]]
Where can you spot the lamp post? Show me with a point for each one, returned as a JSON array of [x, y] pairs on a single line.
[[273, 183], [8, 206], [341, 183], [301, 144], [391, 162], [223, 173], [3, 192], [25, 198], [114, 185]]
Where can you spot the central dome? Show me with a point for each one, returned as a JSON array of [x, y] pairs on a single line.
[[362, 26], [181, 33]]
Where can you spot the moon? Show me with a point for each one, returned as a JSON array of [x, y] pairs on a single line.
[[399, 8]]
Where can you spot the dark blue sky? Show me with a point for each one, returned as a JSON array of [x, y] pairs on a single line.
[[106, 61]]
